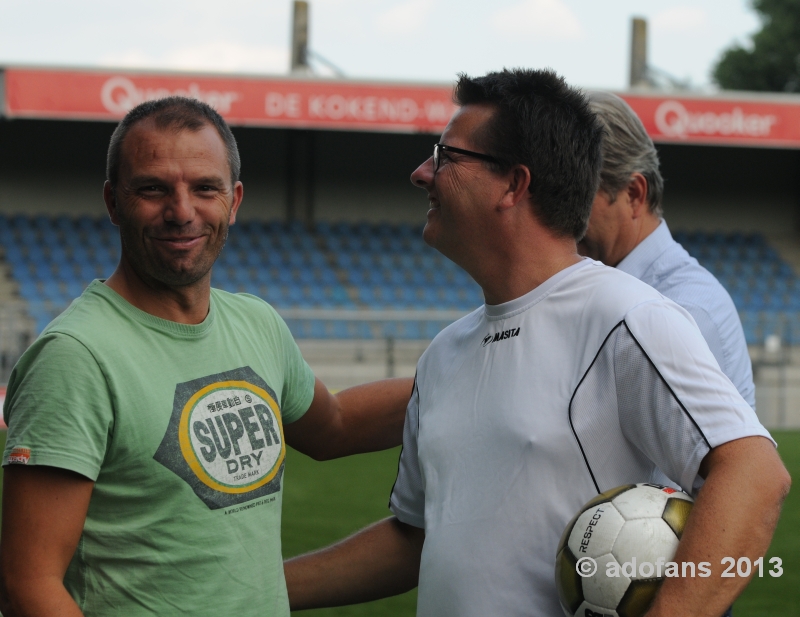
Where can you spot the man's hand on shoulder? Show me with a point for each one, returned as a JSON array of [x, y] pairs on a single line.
[[361, 419]]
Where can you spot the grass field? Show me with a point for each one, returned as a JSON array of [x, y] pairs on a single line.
[[324, 502]]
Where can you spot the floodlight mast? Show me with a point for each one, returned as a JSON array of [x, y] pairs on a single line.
[[300, 38], [639, 77]]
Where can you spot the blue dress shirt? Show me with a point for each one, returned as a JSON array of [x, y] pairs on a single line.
[[665, 265]]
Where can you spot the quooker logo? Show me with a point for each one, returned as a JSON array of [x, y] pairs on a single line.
[[225, 438], [499, 336], [119, 95], [674, 120]]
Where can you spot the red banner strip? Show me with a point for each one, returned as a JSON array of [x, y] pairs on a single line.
[[345, 105]]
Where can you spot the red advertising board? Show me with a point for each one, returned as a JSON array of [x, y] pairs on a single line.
[[772, 121], [764, 122], [318, 103]]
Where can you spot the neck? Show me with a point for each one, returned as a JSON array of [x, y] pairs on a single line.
[[186, 304], [650, 223], [519, 262]]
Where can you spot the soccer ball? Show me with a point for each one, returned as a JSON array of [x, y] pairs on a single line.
[[614, 554]]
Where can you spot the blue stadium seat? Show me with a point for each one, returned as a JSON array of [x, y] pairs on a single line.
[[362, 265]]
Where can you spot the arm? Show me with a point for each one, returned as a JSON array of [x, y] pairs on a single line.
[[377, 562], [361, 419], [748, 472], [43, 517]]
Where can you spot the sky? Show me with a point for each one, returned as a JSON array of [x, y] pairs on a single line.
[[587, 41]]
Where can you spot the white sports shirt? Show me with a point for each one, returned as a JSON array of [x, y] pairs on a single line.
[[524, 411]]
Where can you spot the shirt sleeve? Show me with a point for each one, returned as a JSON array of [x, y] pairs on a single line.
[[298, 383], [58, 408], [733, 358], [408, 494], [675, 403]]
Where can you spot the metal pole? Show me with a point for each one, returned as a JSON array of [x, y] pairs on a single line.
[[638, 52], [390, 360], [300, 38]]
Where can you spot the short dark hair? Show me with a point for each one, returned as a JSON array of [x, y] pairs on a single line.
[[178, 113], [627, 149], [546, 125]]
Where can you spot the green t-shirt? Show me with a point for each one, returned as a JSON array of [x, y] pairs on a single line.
[[180, 427]]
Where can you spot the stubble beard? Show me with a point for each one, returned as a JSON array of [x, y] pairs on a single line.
[[151, 268]]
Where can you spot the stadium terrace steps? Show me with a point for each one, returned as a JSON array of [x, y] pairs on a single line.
[[788, 248], [363, 272]]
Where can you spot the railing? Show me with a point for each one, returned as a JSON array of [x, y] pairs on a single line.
[[16, 334], [367, 324], [393, 339]]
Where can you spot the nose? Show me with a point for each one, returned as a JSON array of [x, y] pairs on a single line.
[[423, 175], [179, 208]]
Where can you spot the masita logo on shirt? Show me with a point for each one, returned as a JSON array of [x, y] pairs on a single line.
[[225, 438], [499, 336]]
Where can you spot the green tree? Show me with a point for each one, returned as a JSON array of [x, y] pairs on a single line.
[[772, 62]]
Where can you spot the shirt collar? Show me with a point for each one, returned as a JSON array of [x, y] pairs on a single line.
[[639, 260]]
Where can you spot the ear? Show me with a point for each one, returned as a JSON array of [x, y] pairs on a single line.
[[238, 195], [111, 202], [637, 195], [519, 181]]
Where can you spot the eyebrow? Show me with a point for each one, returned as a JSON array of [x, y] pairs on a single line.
[[145, 180]]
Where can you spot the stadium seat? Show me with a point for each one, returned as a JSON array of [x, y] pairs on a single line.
[[361, 265]]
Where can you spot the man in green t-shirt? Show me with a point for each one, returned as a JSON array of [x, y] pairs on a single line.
[[148, 423]]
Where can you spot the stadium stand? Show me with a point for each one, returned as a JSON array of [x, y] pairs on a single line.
[[360, 266], [764, 287], [340, 267]]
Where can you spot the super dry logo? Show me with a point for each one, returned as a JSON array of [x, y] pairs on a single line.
[[499, 336], [232, 448], [225, 438]]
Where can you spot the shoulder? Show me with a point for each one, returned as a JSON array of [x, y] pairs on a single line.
[[88, 317], [242, 302], [599, 292], [452, 340], [690, 285], [682, 277], [244, 307]]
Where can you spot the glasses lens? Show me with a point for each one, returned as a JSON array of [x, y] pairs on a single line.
[[435, 158]]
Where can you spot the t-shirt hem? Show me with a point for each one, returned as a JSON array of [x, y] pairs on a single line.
[[404, 516], [59, 460], [689, 479], [294, 414], [739, 432]]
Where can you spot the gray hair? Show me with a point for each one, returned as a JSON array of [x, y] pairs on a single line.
[[627, 149]]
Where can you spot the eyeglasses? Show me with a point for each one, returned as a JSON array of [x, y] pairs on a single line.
[[437, 159]]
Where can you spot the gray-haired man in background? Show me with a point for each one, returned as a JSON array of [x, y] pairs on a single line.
[[627, 231]]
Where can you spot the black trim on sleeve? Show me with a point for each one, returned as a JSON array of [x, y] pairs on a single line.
[[414, 388], [666, 383], [660, 376], [572, 398]]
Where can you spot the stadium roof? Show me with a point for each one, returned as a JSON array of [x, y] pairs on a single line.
[[736, 119]]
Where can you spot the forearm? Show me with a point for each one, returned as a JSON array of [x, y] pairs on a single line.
[[373, 415], [38, 597], [734, 516], [39, 536], [377, 562]]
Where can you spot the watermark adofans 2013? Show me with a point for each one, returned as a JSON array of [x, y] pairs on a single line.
[[744, 567]]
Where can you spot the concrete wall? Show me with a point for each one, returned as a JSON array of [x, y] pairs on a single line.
[[727, 189], [56, 167], [52, 166]]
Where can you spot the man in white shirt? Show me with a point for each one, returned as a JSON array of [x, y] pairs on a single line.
[[572, 379], [627, 231]]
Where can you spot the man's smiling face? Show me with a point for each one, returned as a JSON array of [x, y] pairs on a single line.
[[174, 202], [463, 189]]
